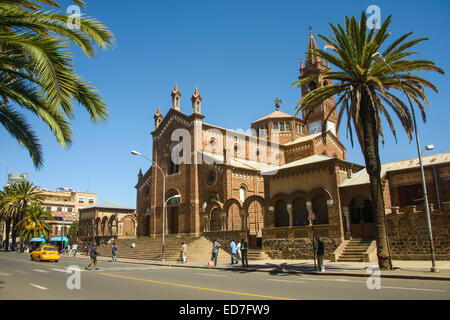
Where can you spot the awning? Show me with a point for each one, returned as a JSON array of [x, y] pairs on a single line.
[[56, 239], [37, 240]]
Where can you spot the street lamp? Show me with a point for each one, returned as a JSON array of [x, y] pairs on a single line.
[[378, 57], [135, 153]]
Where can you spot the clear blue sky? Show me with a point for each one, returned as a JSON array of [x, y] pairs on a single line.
[[240, 54]]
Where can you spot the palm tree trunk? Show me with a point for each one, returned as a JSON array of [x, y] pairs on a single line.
[[373, 167], [7, 231]]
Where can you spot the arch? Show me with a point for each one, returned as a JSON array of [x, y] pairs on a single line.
[[211, 206], [322, 192], [298, 194], [129, 226], [251, 199], [112, 225], [279, 196], [104, 226], [230, 202], [98, 227], [172, 192]]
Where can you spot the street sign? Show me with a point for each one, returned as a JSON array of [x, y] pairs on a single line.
[[312, 216]]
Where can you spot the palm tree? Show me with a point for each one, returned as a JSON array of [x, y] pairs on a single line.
[[17, 199], [366, 91], [37, 72], [7, 213], [34, 224]]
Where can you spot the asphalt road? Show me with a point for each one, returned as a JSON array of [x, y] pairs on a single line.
[[21, 278]]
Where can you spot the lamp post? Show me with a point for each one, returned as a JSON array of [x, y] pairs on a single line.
[[378, 57], [135, 153]]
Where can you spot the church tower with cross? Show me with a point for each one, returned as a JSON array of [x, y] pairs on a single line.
[[315, 66]]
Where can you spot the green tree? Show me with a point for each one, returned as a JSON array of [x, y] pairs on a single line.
[[365, 92], [73, 229], [34, 224], [15, 200], [37, 71]]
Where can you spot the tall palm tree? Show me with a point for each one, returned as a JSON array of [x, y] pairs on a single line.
[[34, 224], [366, 91], [7, 213], [37, 72], [17, 199]]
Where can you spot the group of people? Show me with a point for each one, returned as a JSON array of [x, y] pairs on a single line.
[[238, 252]]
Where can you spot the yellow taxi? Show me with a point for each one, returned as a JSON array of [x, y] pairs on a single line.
[[45, 253]]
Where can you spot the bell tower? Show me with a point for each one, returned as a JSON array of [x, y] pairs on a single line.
[[158, 118], [315, 66], [196, 102]]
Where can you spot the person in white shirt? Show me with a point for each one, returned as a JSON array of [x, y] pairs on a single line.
[[74, 249], [238, 250]]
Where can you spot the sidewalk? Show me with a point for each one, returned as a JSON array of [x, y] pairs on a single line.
[[403, 269]]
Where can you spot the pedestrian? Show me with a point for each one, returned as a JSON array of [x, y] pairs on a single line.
[[244, 250], [132, 245], [183, 252], [215, 252], [74, 249], [114, 252], [320, 250], [93, 255], [86, 249], [238, 251], [233, 252]]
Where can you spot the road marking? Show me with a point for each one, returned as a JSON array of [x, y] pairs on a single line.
[[194, 287], [413, 289], [210, 275], [42, 271], [21, 271], [286, 281], [39, 287], [59, 270], [2, 274]]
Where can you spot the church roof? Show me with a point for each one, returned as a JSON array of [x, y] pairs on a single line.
[[274, 115], [301, 162], [362, 177]]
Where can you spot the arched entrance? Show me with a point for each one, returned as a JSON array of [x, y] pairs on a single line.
[[172, 211], [361, 218]]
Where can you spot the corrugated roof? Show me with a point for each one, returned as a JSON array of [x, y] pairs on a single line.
[[304, 138], [361, 177], [107, 205], [240, 163]]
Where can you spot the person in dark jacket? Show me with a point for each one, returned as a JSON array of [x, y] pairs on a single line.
[[320, 250], [244, 251], [93, 255]]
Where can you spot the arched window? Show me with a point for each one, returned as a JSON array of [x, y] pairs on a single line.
[[312, 86], [242, 193]]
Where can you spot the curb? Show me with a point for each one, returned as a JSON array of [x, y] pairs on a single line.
[[280, 270]]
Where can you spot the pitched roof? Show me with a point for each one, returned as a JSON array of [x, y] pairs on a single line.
[[301, 162], [276, 114], [107, 205], [361, 177]]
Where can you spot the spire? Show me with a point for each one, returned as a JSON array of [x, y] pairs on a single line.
[[311, 58], [158, 117], [176, 98], [196, 102]]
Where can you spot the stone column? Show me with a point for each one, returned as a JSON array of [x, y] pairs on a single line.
[[346, 212], [289, 211], [223, 219]]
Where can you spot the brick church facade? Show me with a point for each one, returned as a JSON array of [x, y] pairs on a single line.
[[262, 185]]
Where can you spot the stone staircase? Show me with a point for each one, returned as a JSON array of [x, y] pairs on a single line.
[[199, 248], [355, 250], [257, 254]]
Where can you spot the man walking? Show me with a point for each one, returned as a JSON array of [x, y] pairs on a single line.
[[233, 252], [93, 255], [74, 249], [114, 252], [238, 251], [183, 252], [320, 250], [244, 250], [215, 252]]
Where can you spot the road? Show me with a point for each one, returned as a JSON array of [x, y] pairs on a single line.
[[21, 278]]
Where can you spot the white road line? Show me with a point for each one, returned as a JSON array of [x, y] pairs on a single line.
[[210, 275], [2, 274], [413, 289], [39, 287], [59, 270], [286, 281], [42, 271]]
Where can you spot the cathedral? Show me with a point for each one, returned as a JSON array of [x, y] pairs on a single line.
[[278, 186]]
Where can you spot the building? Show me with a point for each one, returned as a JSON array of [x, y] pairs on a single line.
[[64, 204], [264, 185], [106, 220]]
